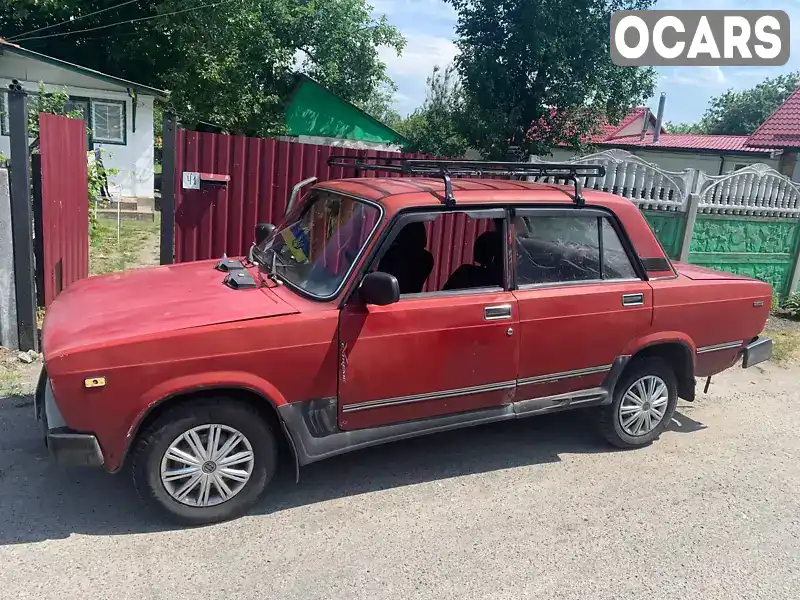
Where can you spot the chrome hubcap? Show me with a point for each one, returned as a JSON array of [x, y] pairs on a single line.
[[207, 465], [643, 405]]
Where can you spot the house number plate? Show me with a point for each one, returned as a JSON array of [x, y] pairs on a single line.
[[191, 181]]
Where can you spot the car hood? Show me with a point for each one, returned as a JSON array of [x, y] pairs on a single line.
[[141, 302]]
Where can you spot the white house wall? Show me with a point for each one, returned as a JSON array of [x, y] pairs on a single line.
[[134, 159], [635, 127]]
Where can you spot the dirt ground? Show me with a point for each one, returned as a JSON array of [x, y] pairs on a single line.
[[536, 508]]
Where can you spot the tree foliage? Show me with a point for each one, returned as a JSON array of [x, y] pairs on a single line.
[[436, 127], [54, 103], [227, 62], [741, 113], [536, 74], [381, 104], [683, 127]]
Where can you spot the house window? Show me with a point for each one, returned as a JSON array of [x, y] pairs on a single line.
[[738, 166], [79, 105], [108, 121]]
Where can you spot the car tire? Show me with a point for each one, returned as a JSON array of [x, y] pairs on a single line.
[[158, 476], [624, 422]]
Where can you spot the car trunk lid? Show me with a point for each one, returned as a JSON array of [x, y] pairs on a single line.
[[697, 273]]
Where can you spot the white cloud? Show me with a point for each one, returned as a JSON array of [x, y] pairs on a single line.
[[421, 54], [699, 76]]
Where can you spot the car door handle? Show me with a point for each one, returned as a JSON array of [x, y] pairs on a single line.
[[496, 313], [633, 299]]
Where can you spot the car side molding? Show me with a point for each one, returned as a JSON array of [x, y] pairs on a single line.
[[314, 434]]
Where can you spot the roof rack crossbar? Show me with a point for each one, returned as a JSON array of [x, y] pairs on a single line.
[[446, 169]]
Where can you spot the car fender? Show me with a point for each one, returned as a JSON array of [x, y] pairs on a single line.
[[210, 380], [661, 337]]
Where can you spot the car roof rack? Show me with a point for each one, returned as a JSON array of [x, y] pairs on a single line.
[[447, 168]]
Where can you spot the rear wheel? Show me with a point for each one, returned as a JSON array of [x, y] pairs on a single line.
[[645, 398], [204, 461]]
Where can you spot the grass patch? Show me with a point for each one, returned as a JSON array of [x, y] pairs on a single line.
[[785, 346], [11, 384], [106, 256]]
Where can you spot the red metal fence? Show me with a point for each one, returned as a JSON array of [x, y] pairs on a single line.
[[62, 227], [221, 216]]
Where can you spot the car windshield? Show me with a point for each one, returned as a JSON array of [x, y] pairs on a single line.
[[315, 250]]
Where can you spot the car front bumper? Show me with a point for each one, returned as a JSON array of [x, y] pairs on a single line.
[[757, 351], [69, 448]]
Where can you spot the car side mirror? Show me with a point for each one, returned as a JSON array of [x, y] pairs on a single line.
[[263, 231], [379, 288]]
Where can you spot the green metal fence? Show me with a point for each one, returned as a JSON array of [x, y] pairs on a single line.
[[761, 247]]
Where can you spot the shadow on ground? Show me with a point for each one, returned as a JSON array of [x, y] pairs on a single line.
[[41, 501]]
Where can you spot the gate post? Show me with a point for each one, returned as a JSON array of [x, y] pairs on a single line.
[[169, 145], [795, 269], [688, 226], [9, 336], [22, 217]]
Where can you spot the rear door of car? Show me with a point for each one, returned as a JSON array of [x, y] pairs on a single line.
[[582, 298]]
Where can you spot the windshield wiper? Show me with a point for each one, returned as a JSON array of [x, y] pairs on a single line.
[[267, 265]]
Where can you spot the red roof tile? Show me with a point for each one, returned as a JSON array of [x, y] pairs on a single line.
[[687, 141], [606, 131], [782, 128]]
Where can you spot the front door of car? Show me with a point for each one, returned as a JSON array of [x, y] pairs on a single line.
[[581, 301], [434, 352]]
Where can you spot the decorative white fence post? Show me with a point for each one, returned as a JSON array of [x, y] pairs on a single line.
[[646, 184], [757, 190], [688, 226]]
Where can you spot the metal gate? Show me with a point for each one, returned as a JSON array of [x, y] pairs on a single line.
[[61, 206]]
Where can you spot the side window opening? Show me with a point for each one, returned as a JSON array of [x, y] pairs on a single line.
[[616, 263], [562, 249], [472, 261], [408, 259]]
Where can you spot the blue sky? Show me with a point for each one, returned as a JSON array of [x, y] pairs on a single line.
[[429, 27]]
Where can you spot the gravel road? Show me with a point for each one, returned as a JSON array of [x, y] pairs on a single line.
[[538, 508]]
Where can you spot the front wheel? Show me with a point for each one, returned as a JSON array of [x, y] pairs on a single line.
[[645, 398], [204, 461]]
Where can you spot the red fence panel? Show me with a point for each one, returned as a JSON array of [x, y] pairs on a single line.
[[65, 203], [221, 218]]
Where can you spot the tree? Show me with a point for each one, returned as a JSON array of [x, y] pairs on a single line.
[[228, 62], [741, 113], [537, 74], [436, 127], [683, 127], [381, 104]]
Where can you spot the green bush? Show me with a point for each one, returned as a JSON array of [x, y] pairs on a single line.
[[98, 175], [791, 306]]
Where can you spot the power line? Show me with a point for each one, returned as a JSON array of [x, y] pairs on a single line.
[[71, 20], [177, 12]]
